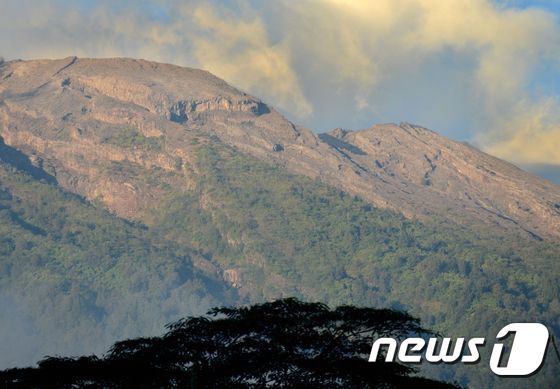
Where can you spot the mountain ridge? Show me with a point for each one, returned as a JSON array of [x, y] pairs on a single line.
[[403, 167]]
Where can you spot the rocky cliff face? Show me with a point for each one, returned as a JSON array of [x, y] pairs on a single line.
[[120, 131]]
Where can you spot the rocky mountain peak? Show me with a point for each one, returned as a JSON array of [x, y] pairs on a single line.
[[90, 122]]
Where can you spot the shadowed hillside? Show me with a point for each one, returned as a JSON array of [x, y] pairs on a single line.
[[74, 278]]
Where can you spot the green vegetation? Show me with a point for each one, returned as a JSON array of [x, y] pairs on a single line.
[[131, 138], [290, 236], [74, 278], [79, 274]]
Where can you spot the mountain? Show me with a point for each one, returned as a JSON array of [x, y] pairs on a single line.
[[257, 208], [58, 110], [73, 278]]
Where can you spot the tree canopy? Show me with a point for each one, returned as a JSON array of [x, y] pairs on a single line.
[[285, 343]]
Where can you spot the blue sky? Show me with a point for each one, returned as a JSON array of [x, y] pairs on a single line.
[[482, 71], [551, 5]]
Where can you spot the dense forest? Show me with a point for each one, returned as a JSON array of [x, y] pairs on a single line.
[[74, 278], [292, 236]]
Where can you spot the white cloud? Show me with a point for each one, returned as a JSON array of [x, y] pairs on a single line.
[[241, 52], [462, 64]]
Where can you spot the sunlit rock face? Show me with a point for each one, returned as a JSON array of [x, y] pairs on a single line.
[[117, 131]]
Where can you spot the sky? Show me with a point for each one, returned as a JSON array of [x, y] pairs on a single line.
[[482, 71]]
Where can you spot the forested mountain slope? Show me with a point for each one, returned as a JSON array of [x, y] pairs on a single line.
[[200, 194], [74, 278], [277, 234]]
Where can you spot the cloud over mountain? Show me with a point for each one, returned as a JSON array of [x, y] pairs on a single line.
[[473, 69]]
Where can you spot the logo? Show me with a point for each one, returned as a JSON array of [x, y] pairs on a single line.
[[525, 356], [527, 352]]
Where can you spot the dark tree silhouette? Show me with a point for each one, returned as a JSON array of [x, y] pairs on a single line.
[[285, 343]]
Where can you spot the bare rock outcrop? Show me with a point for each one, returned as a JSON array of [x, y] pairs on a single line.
[[102, 126]]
